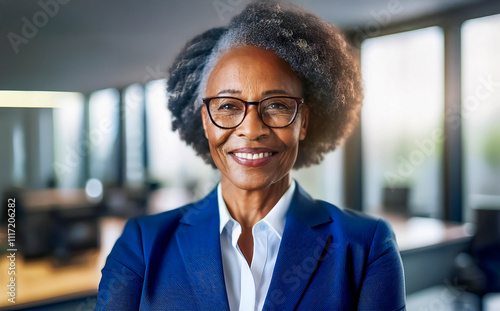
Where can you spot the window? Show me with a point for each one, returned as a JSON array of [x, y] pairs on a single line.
[[102, 138], [324, 181], [40, 139], [134, 134], [481, 113], [69, 149], [171, 161], [402, 120]]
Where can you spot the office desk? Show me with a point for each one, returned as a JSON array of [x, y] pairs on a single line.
[[40, 280], [428, 248]]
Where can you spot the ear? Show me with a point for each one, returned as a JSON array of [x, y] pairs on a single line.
[[304, 118], [204, 119]]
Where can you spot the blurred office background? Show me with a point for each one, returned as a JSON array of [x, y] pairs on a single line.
[[86, 141]]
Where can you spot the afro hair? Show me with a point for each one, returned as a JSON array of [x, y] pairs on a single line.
[[316, 50]]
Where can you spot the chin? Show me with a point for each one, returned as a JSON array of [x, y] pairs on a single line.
[[254, 179]]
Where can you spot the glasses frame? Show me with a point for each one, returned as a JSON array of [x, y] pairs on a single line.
[[207, 100]]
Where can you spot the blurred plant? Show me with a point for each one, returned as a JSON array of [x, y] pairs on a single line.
[[491, 147]]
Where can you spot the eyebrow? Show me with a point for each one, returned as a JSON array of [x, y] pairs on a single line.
[[229, 91], [269, 92]]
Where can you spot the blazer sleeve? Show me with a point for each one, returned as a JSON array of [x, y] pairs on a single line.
[[383, 285], [122, 276]]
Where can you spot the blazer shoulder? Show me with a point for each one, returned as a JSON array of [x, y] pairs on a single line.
[[158, 229], [358, 226], [159, 226], [159, 220], [171, 218]]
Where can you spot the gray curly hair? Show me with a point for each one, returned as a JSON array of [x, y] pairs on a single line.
[[316, 51]]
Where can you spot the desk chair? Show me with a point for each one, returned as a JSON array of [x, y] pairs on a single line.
[[481, 274]]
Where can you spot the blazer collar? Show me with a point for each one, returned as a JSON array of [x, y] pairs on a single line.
[[307, 210], [199, 243], [303, 208], [302, 250], [302, 246]]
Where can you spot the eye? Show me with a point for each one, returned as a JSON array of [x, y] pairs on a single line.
[[228, 106], [277, 106]]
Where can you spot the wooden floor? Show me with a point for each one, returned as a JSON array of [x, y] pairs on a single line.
[[42, 279]]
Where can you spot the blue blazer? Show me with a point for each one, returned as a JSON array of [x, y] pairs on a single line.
[[329, 259]]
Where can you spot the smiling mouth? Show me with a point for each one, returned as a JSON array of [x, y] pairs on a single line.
[[253, 158]]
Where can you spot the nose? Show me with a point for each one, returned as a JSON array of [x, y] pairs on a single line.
[[252, 126]]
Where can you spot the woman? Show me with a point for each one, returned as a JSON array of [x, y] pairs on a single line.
[[275, 90]]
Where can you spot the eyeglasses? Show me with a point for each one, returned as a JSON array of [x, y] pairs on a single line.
[[229, 112]]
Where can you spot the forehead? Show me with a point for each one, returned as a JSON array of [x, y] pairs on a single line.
[[251, 68]]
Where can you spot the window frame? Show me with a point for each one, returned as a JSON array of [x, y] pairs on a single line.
[[453, 186]]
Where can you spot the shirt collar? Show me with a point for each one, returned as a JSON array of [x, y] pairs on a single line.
[[275, 218]]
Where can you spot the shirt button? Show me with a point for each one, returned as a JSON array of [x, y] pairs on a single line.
[[263, 227]]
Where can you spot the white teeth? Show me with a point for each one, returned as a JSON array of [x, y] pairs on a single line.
[[252, 156]]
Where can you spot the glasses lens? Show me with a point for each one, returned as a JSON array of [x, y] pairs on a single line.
[[278, 111], [227, 112]]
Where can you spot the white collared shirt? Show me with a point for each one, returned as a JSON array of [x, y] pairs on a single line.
[[247, 286]]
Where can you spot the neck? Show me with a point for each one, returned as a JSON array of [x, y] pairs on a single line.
[[247, 207]]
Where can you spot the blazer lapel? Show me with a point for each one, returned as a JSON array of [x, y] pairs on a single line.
[[301, 252], [199, 243]]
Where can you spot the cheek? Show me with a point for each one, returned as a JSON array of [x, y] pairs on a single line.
[[291, 139], [294, 136], [216, 139]]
